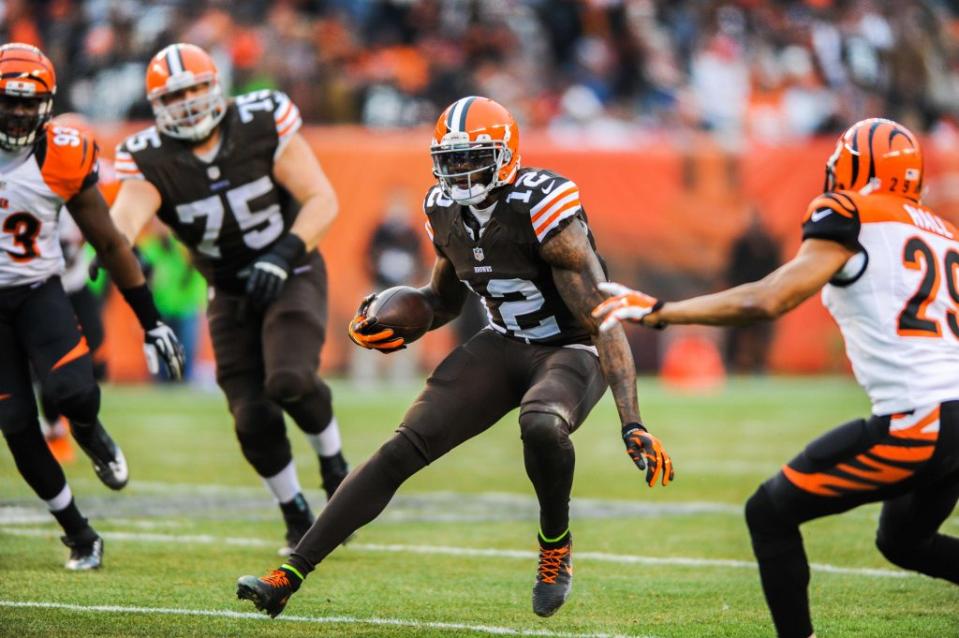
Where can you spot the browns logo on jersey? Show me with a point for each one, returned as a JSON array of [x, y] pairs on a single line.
[[504, 265], [228, 210]]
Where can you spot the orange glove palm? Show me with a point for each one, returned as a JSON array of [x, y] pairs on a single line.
[[365, 332], [648, 454]]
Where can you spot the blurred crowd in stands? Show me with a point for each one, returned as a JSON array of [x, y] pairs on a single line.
[[773, 69]]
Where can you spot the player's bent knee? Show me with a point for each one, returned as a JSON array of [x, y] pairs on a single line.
[[79, 403], [284, 386], [259, 429], [399, 458], [770, 532], [898, 551], [543, 429]]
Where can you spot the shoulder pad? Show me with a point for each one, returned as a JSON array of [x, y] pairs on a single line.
[[549, 199], [70, 160], [833, 216]]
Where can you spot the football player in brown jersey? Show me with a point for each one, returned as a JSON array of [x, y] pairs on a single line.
[[519, 238], [45, 166], [238, 184]]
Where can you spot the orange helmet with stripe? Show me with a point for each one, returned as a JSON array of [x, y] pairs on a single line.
[[27, 86], [876, 156], [183, 87], [475, 149]]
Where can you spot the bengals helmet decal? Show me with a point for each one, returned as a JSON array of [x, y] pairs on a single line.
[[183, 87], [876, 156], [27, 86], [475, 149]]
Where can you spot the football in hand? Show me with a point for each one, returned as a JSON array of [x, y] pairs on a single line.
[[403, 309]]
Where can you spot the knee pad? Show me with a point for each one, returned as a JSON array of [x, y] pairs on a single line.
[[284, 386], [262, 436], [400, 458], [771, 533], [77, 402], [897, 550], [543, 429]]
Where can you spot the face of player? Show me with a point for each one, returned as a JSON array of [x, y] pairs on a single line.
[[19, 116], [467, 173], [182, 104]]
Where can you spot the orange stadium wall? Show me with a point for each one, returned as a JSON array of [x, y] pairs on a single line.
[[662, 210]]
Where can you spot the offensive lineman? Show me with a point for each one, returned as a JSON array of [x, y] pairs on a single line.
[[239, 186], [44, 167], [888, 268], [519, 238]]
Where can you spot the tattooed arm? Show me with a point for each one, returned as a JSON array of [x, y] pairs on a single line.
[[576, 272]]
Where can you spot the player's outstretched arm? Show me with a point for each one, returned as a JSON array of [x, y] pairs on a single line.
[[299, 172], [817, 261], [577, 274], [90, 212]]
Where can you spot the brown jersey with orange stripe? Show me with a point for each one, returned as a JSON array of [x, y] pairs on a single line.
[[228, 210], [34, 186], [897, 300], [503, 264]]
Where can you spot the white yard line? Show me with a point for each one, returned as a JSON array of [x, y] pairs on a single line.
[[443, 550], [325, 620]]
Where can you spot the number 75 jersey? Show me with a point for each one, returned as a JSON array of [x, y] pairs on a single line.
[[33, 189], [228, 210], [897, 300]]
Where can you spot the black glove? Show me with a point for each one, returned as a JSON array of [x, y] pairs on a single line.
[[270, 271], [647, 453], [366, 333]]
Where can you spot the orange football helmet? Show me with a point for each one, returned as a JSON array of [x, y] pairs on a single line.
[[27, 86], [475, 149], [183, 87], [876, 156]]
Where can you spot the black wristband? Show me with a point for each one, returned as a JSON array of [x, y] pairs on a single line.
[[659, 325], [140, 301], [635, 425], [289, 247]]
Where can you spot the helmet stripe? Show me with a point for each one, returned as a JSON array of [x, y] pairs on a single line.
[[855, 157], [872, 153], [174, 60], [456, 120]]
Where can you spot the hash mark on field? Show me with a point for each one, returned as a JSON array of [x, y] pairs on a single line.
[[443, 550], [327, 620]]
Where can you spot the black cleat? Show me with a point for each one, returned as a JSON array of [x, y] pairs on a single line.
[[108, 460], [298, 518], [333, 469], [269, 593], [554, 577], [86, 550]]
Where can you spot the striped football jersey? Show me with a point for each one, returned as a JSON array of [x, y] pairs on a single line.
[[897, 300], [504, 266], [33, 190]]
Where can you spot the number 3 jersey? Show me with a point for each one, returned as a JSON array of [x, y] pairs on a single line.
[[503, 265], [897, 300], [228, 210], [34, 186]]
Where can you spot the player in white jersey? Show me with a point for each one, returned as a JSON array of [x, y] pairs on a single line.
[[44, 167], [888, 268]]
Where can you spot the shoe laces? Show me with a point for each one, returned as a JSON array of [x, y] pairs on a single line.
[[276, 579], [550, 562]]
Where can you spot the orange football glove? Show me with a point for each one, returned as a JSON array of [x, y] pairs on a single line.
[[647, 453], [365, 333], [625, 304]]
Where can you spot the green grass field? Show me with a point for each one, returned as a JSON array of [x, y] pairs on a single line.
[[454, 553]]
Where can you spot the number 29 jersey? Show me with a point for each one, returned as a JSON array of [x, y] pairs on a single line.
[[227, 211], [504, 266], [897, 300]]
